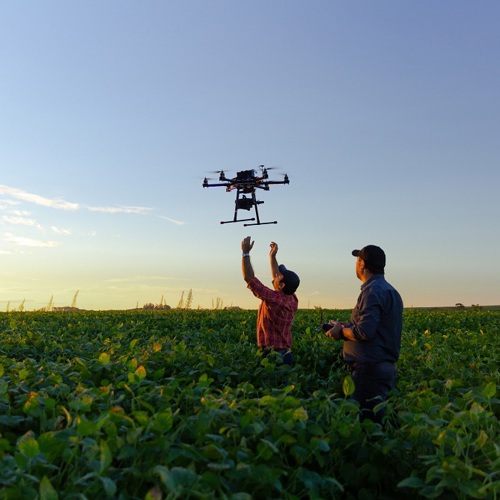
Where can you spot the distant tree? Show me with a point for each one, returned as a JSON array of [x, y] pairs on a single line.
[[218, 304], [73, 303], [189, 299], [459, 305], [180, 305]]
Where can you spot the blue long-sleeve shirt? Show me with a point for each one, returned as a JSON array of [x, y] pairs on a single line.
[[376, 323]]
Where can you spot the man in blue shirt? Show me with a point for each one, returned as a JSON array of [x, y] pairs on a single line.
[[372, 338]]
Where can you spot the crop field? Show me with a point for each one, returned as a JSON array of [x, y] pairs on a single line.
[[178, 404]]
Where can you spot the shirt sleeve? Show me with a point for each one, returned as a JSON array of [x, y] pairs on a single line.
[[261, 291], [366, 324]]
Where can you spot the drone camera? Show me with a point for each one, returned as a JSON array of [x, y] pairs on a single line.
[[244, 203]]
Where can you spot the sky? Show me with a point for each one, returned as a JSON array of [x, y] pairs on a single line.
[[385, 116]]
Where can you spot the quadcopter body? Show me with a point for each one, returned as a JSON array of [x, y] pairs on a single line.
[[246, 184]]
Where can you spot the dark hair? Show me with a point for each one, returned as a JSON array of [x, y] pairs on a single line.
[[290, 280], [373, 257]]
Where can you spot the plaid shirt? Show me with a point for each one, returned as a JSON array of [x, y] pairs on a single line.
[[275, 316]]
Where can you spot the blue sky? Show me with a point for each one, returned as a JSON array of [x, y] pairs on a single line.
[[385, 115]]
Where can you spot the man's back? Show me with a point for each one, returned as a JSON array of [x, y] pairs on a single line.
[[376, 322]]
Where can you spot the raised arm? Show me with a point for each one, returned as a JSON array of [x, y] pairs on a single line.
[[272, 259], [246, 265]]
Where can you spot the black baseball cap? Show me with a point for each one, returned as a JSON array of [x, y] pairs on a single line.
[[290, 279], [373, 256]]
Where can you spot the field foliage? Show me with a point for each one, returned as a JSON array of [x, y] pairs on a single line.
[[177, 404]]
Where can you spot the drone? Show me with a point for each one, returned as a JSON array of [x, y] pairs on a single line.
[[246, 183]]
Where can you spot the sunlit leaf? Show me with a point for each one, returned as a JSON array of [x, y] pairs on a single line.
[[140, 373], [490, 390], [104, 358], [154, 494], [482, 439], [47, 491], [29, 447], [267, 400], [348, 386], [300, 414]]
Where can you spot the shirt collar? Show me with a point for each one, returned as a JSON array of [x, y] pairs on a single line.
[[371, 279]]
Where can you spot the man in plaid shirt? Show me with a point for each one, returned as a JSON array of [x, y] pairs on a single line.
[[278, 305]]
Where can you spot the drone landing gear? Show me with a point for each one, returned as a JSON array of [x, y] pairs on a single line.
[[239, 220], [245, 203], [261, 223]]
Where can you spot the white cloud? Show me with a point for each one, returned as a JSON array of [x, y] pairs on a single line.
[[60, 230], [20, 213], [121, 210], [173, 221], [19, 194], [37, 199], [29, 242], [9, 202], [21, 221]]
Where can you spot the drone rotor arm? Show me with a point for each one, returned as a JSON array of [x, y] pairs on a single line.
[[218, 184]]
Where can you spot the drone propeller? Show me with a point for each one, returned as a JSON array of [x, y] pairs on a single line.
[[218, 171], [268, 169], [222, 174]]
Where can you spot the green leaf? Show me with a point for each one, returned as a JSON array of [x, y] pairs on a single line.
[[241, 496], [411, 482], [177, 477], [105, 455], [263, 474], [300, 414], [29, 447], [140, 373], [348, 386], [163, 420], [86, 428], [47, 491], [104, 358], [482, 439], [109, 486], [490, 390], [320, 444], [270, 445], [154, 494], [267, 400]]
